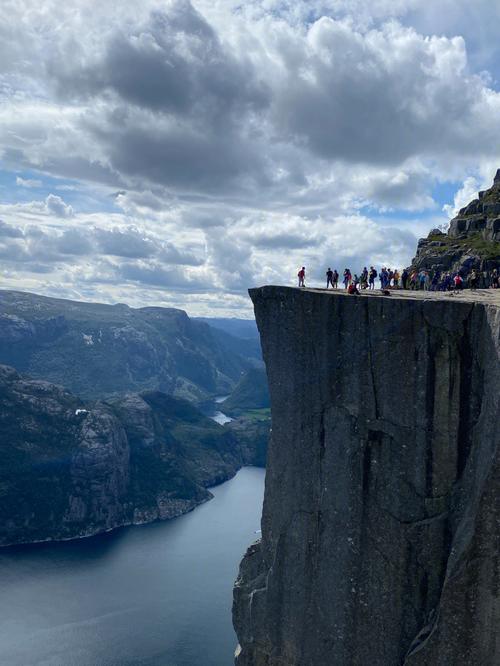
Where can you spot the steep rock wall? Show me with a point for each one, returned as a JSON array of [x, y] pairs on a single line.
[[380, 523]]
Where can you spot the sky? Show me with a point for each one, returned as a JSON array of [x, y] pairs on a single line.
[[177, 153]]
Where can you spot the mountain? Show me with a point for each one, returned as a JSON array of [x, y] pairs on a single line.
[[73, 467], [472, 241], [240, 336], [98, 350], [250, 393], [240, 328], [380, 542]]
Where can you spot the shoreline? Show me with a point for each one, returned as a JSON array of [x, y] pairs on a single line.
[[97, 533]]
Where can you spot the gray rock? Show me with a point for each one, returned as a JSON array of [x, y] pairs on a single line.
[[474, 231], [380, 538]]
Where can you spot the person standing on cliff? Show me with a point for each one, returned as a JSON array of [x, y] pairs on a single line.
[[458, 282], [364, 278], [302, 276], [473, 279], [335, 284], [329, 278], [371, 278]]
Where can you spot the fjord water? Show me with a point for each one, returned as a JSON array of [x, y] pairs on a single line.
[[158, 594]]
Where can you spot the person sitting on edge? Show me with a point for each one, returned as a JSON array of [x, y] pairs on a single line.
[[352, 289], [329, 277], [302, 277]]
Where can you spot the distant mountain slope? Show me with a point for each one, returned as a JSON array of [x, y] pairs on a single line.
[[96, 350], [248, 348], [72, 468], [251, 392], [241, 328]]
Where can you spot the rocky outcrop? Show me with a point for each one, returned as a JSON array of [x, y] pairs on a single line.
[[481, 215], [72, 468], [472, 241], [380, 538]]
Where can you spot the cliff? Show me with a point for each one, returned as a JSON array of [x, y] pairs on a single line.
[[380, 538], [472, 241], [72, 468]]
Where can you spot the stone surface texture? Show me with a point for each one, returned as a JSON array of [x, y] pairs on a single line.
[[481, 214], [380, 538]]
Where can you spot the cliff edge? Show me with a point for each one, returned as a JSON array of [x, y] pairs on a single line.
[[380, 538]]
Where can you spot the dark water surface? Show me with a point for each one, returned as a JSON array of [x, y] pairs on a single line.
[[149, 595]]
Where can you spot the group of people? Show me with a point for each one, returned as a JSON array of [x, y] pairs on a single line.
[[424, 280]]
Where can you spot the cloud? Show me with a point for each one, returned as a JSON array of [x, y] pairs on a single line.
[[124, 243], [213, 145], [56, 206], [28, 182], [9, 231], [160, 276], [464, 195], [52, 205]]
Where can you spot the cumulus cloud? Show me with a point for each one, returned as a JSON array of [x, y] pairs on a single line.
[[227, 143], [55, 205], [9, 231], [464, 195]]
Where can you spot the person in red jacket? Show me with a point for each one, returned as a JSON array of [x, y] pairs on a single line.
[[459, 283]]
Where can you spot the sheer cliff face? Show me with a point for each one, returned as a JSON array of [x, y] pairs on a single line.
[[379, 534]]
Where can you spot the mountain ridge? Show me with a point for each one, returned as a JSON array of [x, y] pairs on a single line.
[[97, 350]]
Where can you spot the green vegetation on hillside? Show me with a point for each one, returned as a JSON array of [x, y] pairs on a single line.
[[475, 243], [251, 393], [98, 350]]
